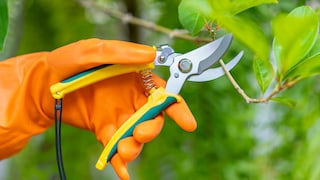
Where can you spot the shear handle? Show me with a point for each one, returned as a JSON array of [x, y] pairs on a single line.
[[157, 101], [85, 78]]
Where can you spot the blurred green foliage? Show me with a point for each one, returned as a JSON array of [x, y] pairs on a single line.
[[234, 140], [3, 21]]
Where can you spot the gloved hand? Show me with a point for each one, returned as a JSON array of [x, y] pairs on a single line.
[[26, 106]]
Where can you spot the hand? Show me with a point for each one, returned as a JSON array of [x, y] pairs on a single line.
[[101, 107]]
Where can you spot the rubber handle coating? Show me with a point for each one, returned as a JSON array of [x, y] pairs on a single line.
[[93, 75], [157, 101]]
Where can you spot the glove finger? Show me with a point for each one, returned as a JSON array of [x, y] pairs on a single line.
[[148, 130], [182, 115], [179, 112], [120, 167], [85, 54], [129, 149], [104, 133]]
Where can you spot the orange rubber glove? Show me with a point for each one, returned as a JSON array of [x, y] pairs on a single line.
[[26, 106]]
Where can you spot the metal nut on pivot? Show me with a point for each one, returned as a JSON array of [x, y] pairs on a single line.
[[162, 59], [185, 65], [165, 52]]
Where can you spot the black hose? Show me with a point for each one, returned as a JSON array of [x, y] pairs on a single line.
[[58, 119]]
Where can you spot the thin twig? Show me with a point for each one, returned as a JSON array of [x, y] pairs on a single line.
[[280, 88], [237, 87], [253, 100], [128, 18]]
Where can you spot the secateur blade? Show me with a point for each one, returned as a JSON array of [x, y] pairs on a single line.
[[210, 53], [195, 62], [214, 73]]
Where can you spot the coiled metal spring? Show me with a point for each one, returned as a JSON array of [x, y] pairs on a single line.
[[147, 80]]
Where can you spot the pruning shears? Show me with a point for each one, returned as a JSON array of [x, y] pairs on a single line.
[[192, 66]]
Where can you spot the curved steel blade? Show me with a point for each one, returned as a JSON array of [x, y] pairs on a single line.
[[214, 73], [208, 54]]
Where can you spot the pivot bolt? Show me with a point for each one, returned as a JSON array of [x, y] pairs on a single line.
[[185, 65]]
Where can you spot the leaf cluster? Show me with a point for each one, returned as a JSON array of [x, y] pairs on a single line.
[[295, 47]]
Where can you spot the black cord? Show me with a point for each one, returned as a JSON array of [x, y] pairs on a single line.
[[57, 120]]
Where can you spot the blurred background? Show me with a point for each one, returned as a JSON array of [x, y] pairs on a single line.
[[234, 140]]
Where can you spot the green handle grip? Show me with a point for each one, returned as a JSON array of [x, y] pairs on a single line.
[[157, 101]]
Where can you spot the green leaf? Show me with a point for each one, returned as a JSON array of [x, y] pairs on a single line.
[[3, 22], [295, 35], [248, 33], [242, 5], [194, 14], [310, 66], [315, 49], [232, 7], [264, 73], [285, 101]]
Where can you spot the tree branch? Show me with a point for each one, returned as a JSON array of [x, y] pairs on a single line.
[[237, 87], [253, 100], [181, 34], [128, 18]]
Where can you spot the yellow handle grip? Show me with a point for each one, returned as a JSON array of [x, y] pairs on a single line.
[[157, 101], [59, 90]]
